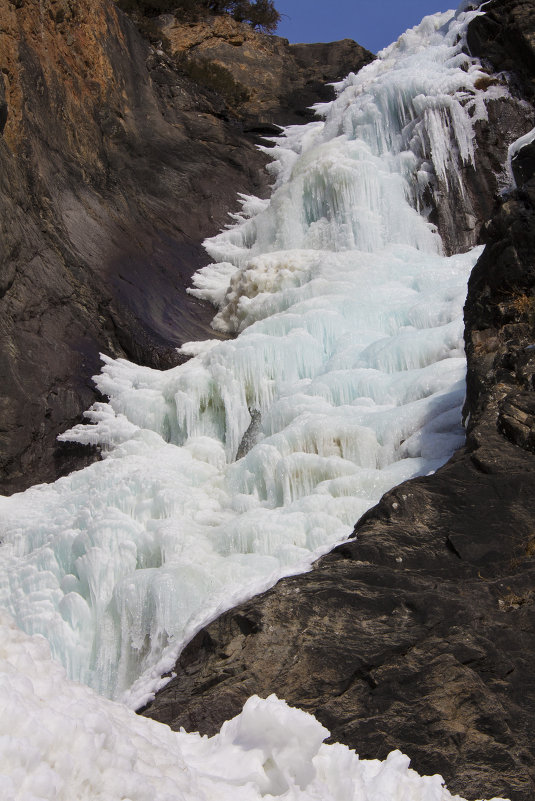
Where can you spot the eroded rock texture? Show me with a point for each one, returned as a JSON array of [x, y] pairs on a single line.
[[267, 81], [420, 633], [115, 164]]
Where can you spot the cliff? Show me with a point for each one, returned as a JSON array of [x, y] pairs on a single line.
[[117, 159], [266, 81], [419, 633]]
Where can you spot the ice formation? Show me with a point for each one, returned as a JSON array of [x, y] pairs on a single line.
[[260, 453], [513, 151], [60, 741]]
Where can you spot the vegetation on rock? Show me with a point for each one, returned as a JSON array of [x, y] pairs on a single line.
[[260, 14]]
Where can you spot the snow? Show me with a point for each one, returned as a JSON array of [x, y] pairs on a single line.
[[60, 741], [244, 464]]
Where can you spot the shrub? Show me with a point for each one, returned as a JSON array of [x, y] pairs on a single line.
[[215, 77], [524, 305], [264, 15]]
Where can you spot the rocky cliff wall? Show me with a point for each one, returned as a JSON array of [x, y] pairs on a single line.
[[116, 162], [267, 81]]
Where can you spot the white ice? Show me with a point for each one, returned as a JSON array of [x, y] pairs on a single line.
[[60, 741]]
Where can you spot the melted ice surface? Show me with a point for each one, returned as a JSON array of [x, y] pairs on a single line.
[[261, 452]]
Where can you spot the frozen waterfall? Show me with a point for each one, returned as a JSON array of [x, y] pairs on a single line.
[[258, 454], [345, 377]]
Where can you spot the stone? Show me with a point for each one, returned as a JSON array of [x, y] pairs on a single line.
[[270, 82]]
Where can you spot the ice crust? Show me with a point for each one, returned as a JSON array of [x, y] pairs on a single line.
[[345, 378], [60, 741]]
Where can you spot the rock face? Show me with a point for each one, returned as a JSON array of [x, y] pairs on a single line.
[[504, 36], [115, 164], [267, 81], [420, 633], [459, 215]]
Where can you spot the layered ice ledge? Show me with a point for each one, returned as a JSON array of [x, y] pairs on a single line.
[[260, 453]]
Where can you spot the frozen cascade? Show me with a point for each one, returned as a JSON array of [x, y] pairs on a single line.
[[349, 358]]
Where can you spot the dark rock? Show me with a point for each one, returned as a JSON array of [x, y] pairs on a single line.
[[504, 37], [516, 419], [523, 164], [460, 215], [269, 82], [500, 314]]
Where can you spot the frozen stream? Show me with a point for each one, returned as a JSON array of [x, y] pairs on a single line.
[[254, 457]]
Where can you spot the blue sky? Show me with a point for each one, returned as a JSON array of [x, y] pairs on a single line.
[[372, 23]]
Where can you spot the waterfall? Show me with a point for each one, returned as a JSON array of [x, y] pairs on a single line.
[[345, 377]]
